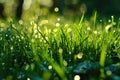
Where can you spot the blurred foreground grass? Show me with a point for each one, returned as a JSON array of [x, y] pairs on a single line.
[[59, 48]]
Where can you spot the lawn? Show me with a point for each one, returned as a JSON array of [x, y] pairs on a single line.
[[60, 48]]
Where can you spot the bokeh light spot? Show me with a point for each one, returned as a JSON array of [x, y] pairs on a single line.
[[76, 77], [56, 9], [49, 67]]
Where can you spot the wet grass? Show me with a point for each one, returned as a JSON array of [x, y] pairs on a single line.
[[60, 49]]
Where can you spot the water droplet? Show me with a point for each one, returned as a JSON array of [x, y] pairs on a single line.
[[76, 77], [108, 72], [65, 63], [15, 60], [107, 28], [79, 55], [112, 16], [109, 20], [22, 37], [69, 60], [70, 53], [56, 9], [100, 20], [49, 67], [3, 64], [58, 19], [28, 78], [57, 24], [6, 35], [60, 50], [11, 47], [26, 46]]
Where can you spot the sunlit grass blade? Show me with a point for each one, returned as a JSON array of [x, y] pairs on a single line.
[[81, 20], [102, 61], [95, 17]]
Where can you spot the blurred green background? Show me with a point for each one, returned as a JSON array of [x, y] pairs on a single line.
[[26, 8]]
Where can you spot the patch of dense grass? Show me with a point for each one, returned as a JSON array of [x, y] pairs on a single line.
[[59, 49]]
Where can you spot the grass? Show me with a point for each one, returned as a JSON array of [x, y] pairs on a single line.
[[60, 49]]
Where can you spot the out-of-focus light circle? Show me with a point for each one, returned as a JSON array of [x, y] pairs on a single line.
[[76, 77]]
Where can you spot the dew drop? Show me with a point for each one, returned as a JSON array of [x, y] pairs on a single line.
[[6, 35], [11, 47], [49, 67], [28, 78], [57, 24], [109, 20], [3, 64], [70, 53], [65, 63], [79, 55], [56, 9], [76, 77], [108, 72], [100, 20], [58, 19]]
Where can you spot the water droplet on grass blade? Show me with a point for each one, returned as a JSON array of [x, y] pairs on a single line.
[[79, 55], [60, 50], [100, 20], [65, 63], [109, 21], [109, 72]]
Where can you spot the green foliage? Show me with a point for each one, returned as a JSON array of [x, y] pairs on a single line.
[[60, 49]]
